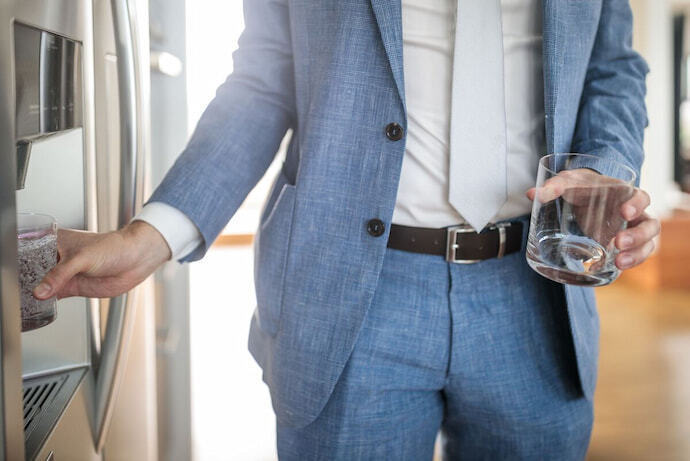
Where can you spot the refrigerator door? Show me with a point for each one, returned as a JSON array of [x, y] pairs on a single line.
[[126, 413], [11, 433], [168, 138], [119, 326], [46, 77], [70, 362]]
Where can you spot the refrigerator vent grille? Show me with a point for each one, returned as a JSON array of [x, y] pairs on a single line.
[[37, 397], [45, 398]]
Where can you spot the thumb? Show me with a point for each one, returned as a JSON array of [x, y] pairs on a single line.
[[58, 277]]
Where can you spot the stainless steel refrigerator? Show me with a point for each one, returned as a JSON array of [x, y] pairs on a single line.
[[74, 140]]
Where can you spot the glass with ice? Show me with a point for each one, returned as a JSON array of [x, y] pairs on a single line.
[[37, 245], [576, 215]]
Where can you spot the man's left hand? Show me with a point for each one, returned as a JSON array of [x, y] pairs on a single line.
[[636, 242]]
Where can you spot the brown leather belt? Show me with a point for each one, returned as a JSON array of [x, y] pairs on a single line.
[[459, 244]]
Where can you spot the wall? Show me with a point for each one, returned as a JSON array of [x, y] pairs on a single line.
[[652, 37]]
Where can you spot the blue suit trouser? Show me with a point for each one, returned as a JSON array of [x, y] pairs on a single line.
[[482, 352]]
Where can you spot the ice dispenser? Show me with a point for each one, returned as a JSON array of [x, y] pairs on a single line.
[[51, 149], [48, 89]]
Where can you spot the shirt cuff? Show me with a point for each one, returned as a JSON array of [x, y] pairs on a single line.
[[179, 232]]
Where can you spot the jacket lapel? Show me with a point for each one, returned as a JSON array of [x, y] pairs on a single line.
[[569, 30], [553, 62], [389, 19], [556, 28]]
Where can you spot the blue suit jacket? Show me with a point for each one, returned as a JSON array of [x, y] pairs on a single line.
[[332, 72]]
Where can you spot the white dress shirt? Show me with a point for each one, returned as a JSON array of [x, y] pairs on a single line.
[[422, 200], [179, 232], [428, 38]]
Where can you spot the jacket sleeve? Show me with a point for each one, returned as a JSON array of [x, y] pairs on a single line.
[[612, 114], [240, 131]]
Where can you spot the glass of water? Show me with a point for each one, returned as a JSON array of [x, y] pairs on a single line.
[[576, 215], [37, 245]]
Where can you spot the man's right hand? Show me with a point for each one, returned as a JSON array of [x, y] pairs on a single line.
[[104, 265]]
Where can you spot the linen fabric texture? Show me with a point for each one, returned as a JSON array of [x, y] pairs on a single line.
[[332, 73], [442, 348]]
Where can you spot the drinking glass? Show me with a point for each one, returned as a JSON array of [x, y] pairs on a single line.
[[576, 215], [37, 245]]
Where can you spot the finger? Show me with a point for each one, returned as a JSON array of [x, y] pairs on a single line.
[[555, 186], [551, 190], [96, 287], [638, 234], [635, 256], [68, 241], [634, 207], [71, 288], [56, 279]]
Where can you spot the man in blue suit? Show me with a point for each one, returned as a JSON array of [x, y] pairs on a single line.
[[414, 125]]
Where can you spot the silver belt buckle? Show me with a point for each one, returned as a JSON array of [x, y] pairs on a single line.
[[452, 242]]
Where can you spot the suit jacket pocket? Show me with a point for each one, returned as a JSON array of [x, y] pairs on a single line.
[[270, 258]]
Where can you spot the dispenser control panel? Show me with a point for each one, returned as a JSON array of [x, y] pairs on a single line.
[[48, 82]]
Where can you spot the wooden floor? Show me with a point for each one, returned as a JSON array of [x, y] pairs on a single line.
[[642, 404]]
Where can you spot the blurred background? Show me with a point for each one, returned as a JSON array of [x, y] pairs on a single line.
[[643, 399]]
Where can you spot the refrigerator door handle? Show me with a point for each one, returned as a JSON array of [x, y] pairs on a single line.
[[121, 310]]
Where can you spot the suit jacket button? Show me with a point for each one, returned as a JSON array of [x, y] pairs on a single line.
[[376, 227], [394, 132]]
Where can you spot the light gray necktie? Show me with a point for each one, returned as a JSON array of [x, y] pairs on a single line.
[[477, 173]]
